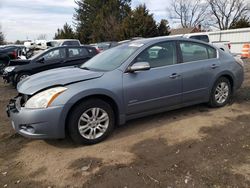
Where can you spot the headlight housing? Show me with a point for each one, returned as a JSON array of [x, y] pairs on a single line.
[[44, 98], [9, 69]]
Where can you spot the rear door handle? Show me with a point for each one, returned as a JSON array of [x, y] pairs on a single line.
[[214, 66], [174, 75]]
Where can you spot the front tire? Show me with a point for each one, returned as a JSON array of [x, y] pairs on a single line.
[[21, 77], [221, 93], [90, 122]]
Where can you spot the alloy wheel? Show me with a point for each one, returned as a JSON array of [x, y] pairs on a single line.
[[221, 92], [93, 123]]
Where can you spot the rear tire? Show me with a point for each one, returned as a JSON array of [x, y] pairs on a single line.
[[90, 122], [221, 93]]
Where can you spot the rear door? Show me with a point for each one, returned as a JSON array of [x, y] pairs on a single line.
[[199, 67], [76, 56]]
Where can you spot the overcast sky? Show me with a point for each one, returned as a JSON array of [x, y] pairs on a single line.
[[27, 19]]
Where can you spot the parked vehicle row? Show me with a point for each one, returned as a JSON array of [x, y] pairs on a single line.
[[132, 80], [30, 49], [51, 58], [44, 44]]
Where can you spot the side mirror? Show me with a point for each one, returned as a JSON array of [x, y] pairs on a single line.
[[139, 66], [40, 60]]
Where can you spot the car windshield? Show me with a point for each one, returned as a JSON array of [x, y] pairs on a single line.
[[112, 58]]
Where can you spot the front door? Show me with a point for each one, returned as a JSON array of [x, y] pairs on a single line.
[[52, 59], [159, 87]]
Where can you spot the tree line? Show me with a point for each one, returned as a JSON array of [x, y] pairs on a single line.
[[114, 20]]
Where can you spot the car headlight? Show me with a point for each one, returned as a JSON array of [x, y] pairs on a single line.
[[44, 98], [9, 69]]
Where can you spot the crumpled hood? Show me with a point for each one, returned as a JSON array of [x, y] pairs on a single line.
[[55, 77]]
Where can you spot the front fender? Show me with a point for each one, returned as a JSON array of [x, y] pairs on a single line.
[[70, 101]]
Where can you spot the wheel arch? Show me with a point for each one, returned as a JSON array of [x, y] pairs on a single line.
[[21, 72], [230, 79], [227, 75], [112, 102]]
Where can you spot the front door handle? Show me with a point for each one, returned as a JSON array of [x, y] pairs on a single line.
[[214, 66], [174, 75]]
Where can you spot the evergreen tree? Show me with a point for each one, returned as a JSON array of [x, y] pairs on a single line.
[[100, 20], [65, 33], [140, 23], [163, 28], [243, 22], [85, 15], [18, 42]]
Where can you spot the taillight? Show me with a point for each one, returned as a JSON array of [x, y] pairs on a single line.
[[229, 46], [14, 54]]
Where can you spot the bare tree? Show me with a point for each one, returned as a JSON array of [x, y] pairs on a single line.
[[189, 13], [42, 37], [2, 41], [227, 12]]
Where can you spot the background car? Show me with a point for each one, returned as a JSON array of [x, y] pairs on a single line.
[[49, 59], [8, 53], [63, 42], [129, 81], [223, 45], [104, 45]]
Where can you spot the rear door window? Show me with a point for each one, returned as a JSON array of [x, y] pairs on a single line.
[[193, 51]]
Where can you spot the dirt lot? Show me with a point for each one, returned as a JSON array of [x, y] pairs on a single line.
[[192, 147]]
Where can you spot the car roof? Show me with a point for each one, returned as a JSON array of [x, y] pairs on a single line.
[[70, 46], [63, 40], [164, 38], [149, 40]]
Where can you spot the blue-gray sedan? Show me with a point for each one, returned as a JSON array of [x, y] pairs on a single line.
[[132, 80]]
